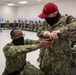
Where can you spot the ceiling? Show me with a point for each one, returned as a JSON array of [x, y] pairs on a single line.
[[30, 2]]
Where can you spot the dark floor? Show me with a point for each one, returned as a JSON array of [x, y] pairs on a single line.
[[73, 70]]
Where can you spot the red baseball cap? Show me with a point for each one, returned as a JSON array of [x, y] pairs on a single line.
[[48, 9]]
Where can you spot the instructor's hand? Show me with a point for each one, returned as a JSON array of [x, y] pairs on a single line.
[[44, 43], [54, 34]]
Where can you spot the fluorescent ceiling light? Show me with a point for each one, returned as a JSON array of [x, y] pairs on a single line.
[[10, 4], [23, 2], [39, 0]]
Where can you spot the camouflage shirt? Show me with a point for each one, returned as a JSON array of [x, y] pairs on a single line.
[[16, 55], [57, 57]]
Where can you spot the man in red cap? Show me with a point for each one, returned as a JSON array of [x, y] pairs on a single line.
[[50, 13], [58, 57], [48, 9]]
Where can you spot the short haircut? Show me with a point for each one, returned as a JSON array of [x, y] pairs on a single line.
[[12, 31]]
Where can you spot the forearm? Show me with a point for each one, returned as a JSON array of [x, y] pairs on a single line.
[[13, 50], [29, 42], [40, 33]]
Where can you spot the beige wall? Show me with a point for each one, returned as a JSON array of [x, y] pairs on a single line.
[[65, 6], [8, 13], [13, 13]]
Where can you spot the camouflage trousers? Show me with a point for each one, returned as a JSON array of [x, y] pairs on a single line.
[[41, 54], [28, 69], [52, 65]]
